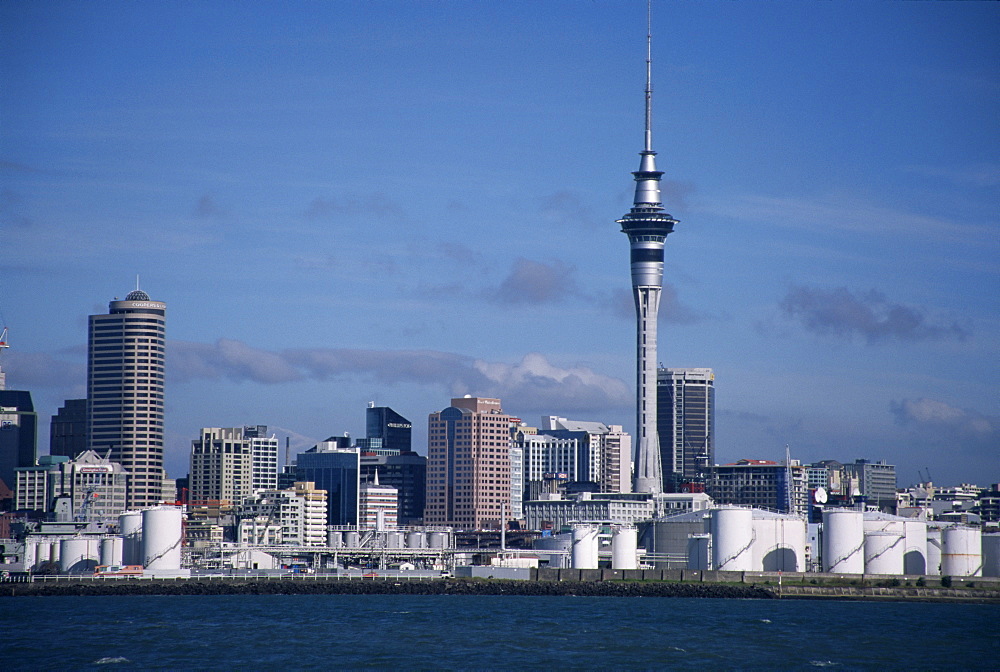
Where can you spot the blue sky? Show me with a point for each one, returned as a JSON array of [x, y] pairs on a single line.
[[405, 201]]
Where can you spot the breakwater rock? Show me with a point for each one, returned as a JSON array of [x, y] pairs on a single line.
[[325, 586]]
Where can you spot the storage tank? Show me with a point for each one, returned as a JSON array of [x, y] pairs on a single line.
[[961, 551], [666, 539], [699, 551], [915, 552], [111, 550], [55, 551], [624, 548], [334, 539], [991, 554], [78, 555], [395, 540], [779, 543], [416, 539], [352, 539], [843, 541], [732, 539], [437, 540], [161, 538], [933, 551], [884, 552], [130, 528], [584, 547]]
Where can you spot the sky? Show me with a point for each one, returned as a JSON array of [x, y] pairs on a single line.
[[402, 202]]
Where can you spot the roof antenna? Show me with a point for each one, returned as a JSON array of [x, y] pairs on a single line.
[[137, 282], [649, 75]]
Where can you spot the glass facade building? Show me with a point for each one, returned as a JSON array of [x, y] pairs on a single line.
[[686, 426]]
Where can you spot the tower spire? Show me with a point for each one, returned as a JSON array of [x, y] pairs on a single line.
[[649, 76], [647, 227]]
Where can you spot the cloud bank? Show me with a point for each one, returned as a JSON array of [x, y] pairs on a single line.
[[532, 382], [838, 312]]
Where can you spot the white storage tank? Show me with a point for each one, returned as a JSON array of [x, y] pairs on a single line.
[[584, 554], [162, 532], [732, 539], [843, 541], [395, 540], [991, 555], [130, 528], [915, 553], [884, 552], [437, 539], [699, 551], [624, 548], [779, 543], [55, 551], [78, 555], [334, 539], [961, 551], [352, 539], [933, 551], [111, 550], [416, 539]]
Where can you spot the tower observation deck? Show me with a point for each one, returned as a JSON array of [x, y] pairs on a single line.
[[647, 225]]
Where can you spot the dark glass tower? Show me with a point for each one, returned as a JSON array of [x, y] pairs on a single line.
[[68, 431], [392, 429], [686, 424], [18, 433]]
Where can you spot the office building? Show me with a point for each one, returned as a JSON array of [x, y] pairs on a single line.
[[221, 467], [761, 484], [603, 453], [293, 516], [334, 466], [686, 424], [407, 472], [18, 434], [647, 226], [94, 487], [125, 373], [468, 465], [263, 457], [68, 430], [378, 505], [876, 482], [388, 433]]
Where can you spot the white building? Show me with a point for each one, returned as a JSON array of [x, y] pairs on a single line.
[[378, 506], [300, 511], [557, 512], [221, 466], [96, 488], [588, 452]]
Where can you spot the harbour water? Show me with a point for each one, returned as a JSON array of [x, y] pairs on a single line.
[[329, 632]]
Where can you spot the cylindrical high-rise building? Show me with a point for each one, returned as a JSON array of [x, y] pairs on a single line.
[[647, 227], [125, 367]]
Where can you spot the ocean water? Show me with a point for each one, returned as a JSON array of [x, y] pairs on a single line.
[[404, 632]]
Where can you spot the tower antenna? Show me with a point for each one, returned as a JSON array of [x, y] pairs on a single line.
[[649, 75]]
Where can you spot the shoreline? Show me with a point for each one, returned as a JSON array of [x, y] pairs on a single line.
[[471, 587]]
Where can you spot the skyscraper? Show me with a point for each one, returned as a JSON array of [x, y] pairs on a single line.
[[468, 465], [387, 432], [125, 366], [18, 433], [647, 227], [333, 465], [68, 430], [686, 424]]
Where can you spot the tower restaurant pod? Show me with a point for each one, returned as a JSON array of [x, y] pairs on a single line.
[[843, 541]]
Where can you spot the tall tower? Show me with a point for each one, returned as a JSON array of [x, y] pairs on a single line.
[[125, 366], [647, 226]]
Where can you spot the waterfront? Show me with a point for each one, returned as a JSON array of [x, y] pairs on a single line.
[[490, 632]]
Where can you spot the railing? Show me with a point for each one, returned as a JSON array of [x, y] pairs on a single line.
[[366, 575]]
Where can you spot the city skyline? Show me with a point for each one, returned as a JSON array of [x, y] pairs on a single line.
[[318, 191]]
